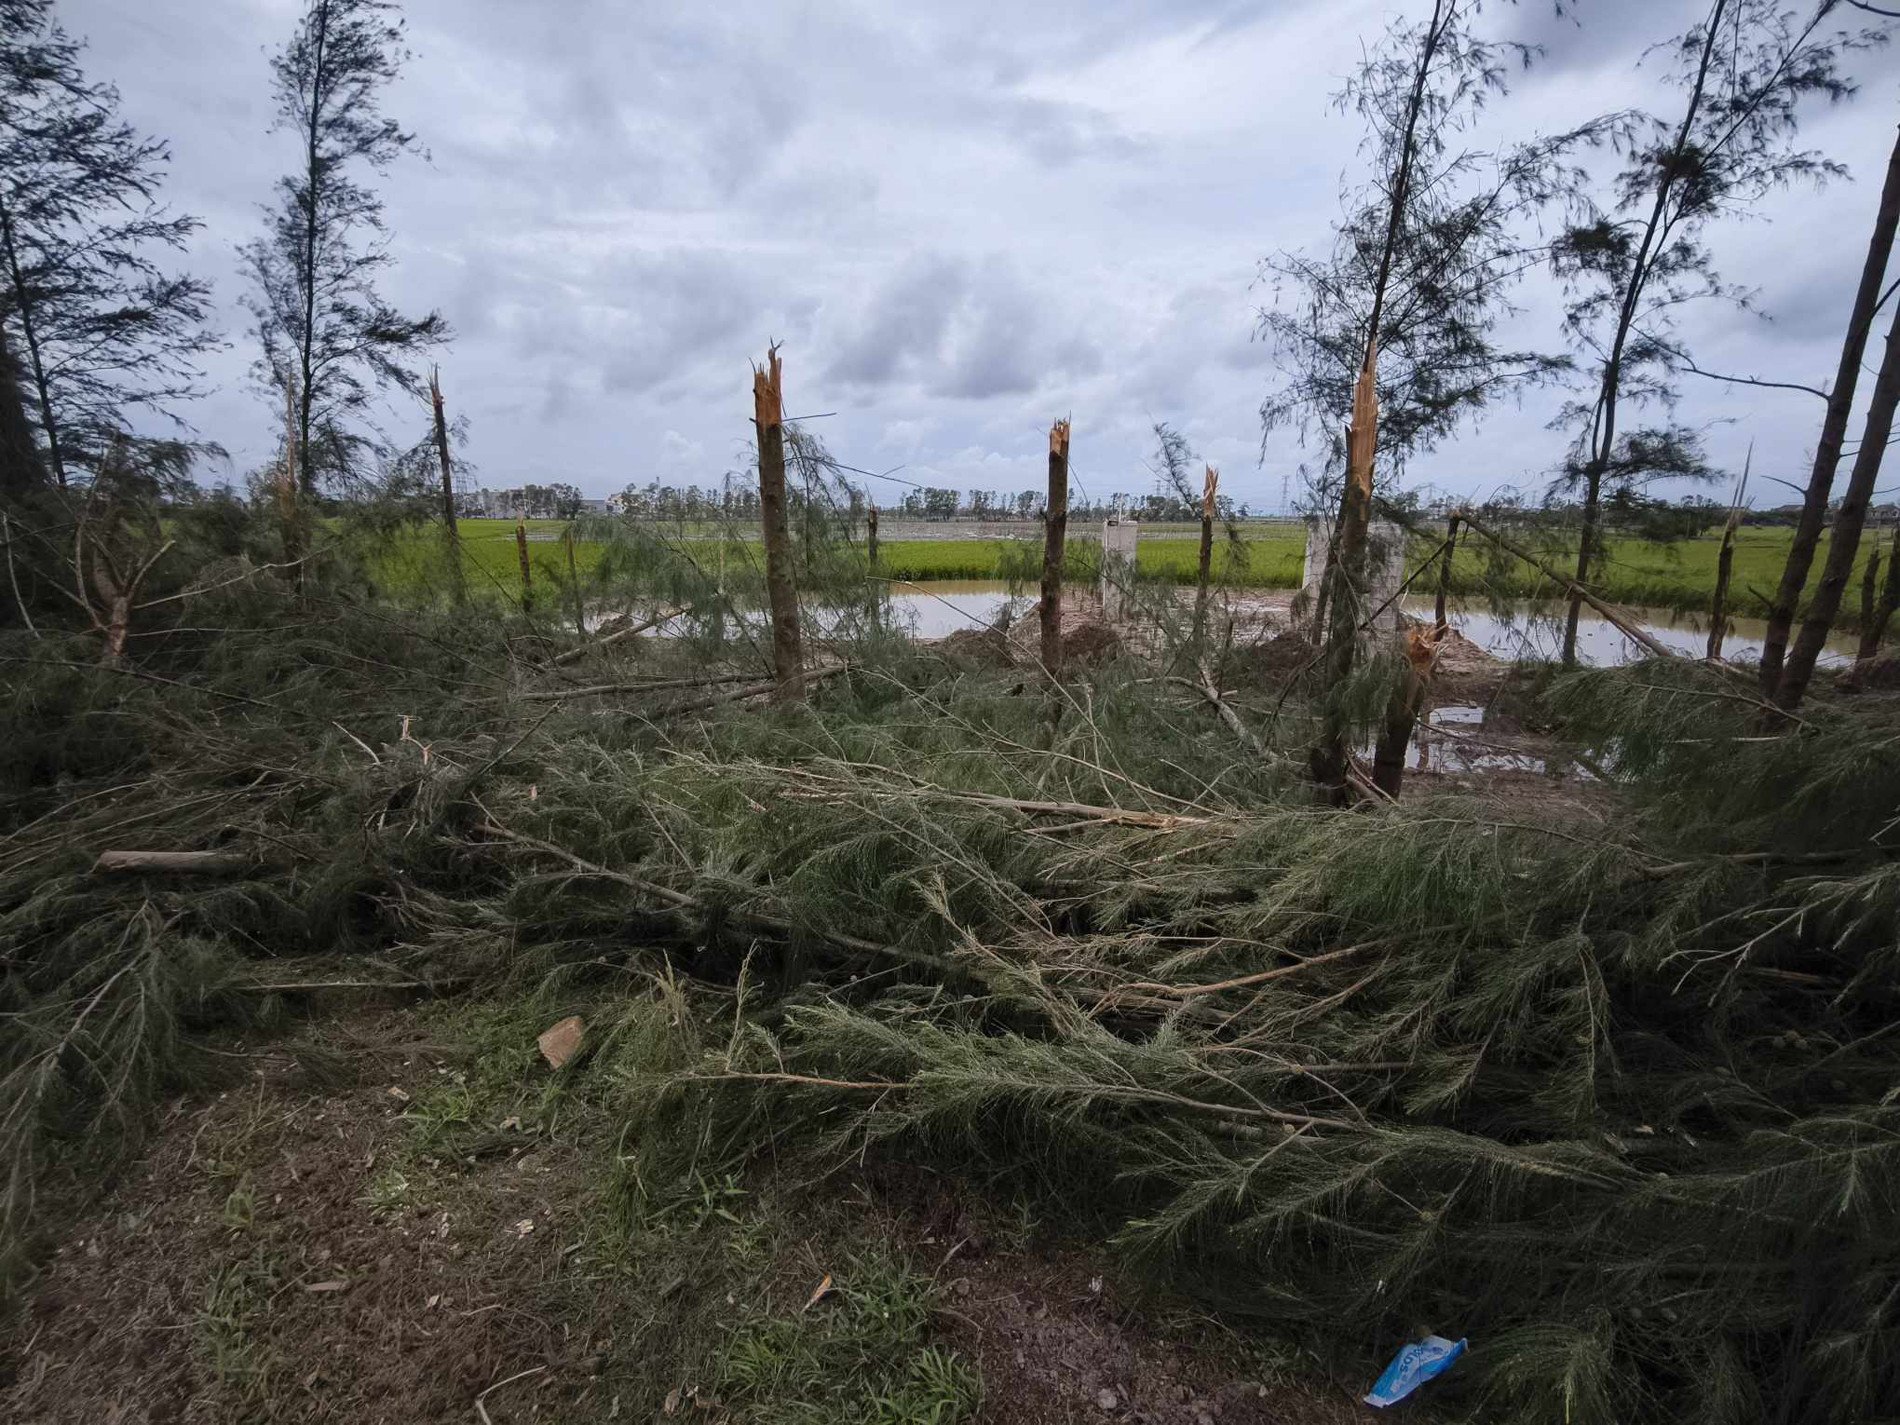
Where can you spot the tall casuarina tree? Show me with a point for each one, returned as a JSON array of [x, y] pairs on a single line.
[[92, 327], [1744, 70], [1398, 323], [329, 338]]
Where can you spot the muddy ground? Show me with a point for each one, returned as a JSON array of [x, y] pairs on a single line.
[[391, 1216]]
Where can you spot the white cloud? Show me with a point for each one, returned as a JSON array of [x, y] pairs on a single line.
[[962, 221]]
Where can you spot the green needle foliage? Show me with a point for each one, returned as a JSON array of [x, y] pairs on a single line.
[[1604, 1081]]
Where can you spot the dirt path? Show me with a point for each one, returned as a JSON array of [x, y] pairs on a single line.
[[390, 1217]]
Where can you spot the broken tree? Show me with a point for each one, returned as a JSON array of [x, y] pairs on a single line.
[[768, 415], [451, 533], [1055, 534]]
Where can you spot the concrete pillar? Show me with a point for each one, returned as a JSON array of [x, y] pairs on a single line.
[[1385, 566], [1119, 536]]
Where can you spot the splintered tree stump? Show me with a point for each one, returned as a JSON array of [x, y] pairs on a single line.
[[768, 414], [1055, 536]]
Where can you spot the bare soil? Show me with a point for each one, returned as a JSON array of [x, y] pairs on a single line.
[[261, 1262]]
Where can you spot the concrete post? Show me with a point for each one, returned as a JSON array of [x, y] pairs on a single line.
[[1119, 537]]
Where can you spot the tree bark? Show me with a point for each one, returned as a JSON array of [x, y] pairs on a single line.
[[289, 501], [314, 178], [1346, 573], [1441, 625], [527, 570], [20, 468], [1844, 538], [574, 582], [1204, 572], [1054, 538], [1610, 389], [49, 424], [1827, 453], [768, 414], [1401, 713], [870, 534], [1874, 629], [451, 531], [1718, 606]]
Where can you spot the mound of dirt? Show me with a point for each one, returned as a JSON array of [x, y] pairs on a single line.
[[1272, 660], [986, 647], [1880, 674], [1464, 672], [1091, 643]]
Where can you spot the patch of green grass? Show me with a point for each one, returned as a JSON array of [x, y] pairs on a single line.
[[387, 1195], [224, 1336], [860, 1353]]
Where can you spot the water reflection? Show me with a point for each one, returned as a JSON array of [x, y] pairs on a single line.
[[1535, 629]]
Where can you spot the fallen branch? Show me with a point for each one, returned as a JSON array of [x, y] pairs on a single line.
[[594, 690], [173, 863], [755, 690], [630, 631], [1622, 621], [1213, 694], [288, 987], [1243, 981], [682, 901]]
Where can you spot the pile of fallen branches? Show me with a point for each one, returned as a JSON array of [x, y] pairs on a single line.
[[1612, 1094], [1602, 1082]]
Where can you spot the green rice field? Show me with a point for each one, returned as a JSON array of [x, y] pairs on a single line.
[[1677, 575]]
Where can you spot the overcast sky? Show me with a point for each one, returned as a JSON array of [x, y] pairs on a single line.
[[960, 220]]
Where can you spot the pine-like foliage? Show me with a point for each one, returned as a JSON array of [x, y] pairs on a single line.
[[1605, 1086], [329, 338], [97, 326]]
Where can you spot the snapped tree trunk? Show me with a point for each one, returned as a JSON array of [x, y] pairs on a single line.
[[1054, 537], [1204, 573], [1844, 538], [452, 534], [870, 534], [768, 415], [1827, 452], [1346, 576], [1873, 630], [1724, 567], [527, 570]]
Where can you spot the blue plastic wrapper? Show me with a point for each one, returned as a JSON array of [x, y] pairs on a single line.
[[1412, 1367]]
